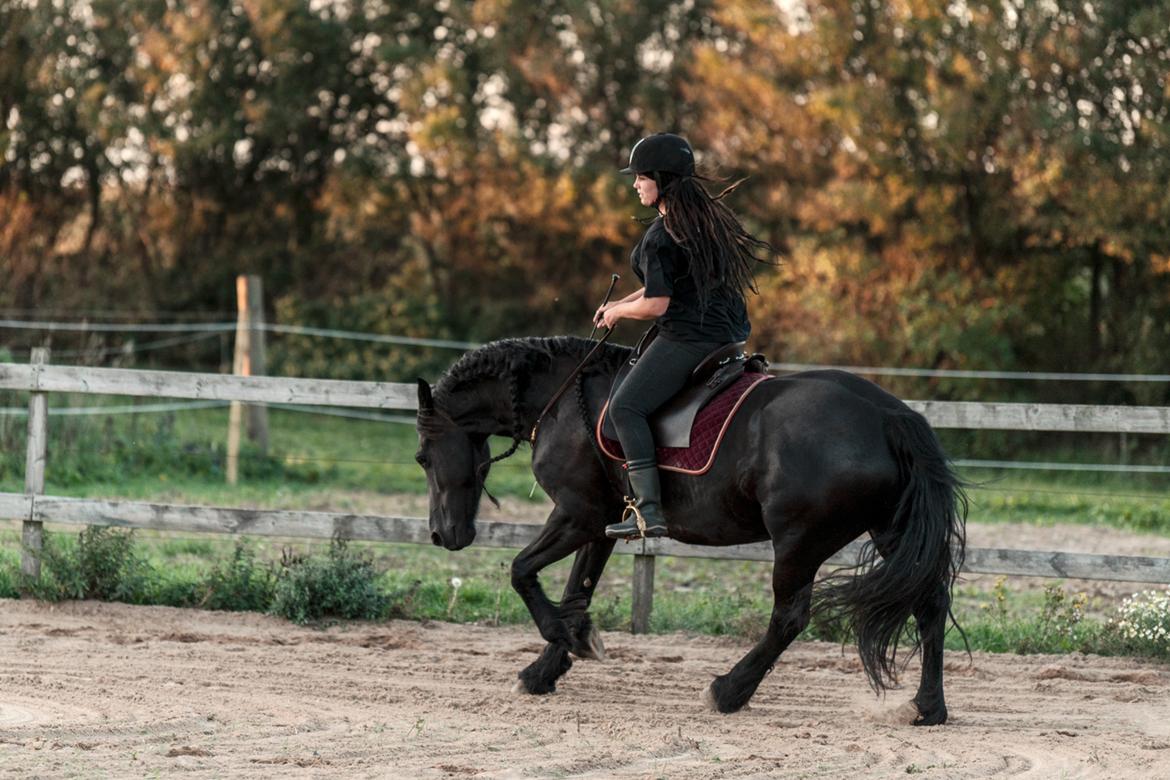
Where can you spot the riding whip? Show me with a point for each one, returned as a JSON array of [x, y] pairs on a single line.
[[612, 283]]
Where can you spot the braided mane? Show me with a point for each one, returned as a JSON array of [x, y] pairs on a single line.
[[513, 360]]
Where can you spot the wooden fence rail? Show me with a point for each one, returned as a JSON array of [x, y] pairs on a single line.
[[403, 396], [34, 508], [211, 387], [414, 530]]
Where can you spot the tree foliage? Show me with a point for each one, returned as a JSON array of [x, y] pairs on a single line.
[[977, 184]]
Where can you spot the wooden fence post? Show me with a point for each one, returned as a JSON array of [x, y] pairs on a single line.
[[642, 600], [249, 360], [33, 532]]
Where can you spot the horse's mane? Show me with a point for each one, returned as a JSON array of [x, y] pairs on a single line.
[[516, 359]]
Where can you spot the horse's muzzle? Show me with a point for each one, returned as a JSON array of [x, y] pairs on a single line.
[[454, 540]]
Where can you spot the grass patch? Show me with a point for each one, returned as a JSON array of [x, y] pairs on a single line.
[[310, 583], [1042, 503], [9, 573], [1139, 626], [178, 457], [160, 456]]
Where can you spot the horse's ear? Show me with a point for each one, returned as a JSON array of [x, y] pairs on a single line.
[[426, 403]]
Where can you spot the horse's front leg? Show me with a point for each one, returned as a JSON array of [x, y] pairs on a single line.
[[560, 536], [587, 568], [584, 639]]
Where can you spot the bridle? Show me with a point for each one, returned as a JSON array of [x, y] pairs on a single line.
[[517, 434]]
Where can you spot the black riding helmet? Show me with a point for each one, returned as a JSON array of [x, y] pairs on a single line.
[[664, 152]]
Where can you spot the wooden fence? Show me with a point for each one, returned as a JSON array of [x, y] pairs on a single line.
[[34, 508]]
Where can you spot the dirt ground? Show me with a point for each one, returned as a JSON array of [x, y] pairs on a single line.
[[109, 690]]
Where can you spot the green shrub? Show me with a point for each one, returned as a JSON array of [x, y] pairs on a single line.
[[175, 590], [610, 613], [100, 564], [341, 585], [1061, 627], [108, 564], [828, 628], [9, 579], [240, 583]]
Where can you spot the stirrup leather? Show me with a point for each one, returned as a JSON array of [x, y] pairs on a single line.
[[632, 506]]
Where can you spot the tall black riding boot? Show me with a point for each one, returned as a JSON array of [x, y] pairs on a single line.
[[643, 516]]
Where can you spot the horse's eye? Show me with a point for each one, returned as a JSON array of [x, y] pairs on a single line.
[[422, 460]]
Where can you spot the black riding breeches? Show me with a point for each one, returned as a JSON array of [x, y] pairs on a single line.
[[658, 375]]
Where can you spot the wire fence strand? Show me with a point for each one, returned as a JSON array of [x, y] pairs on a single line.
[[786, 367]]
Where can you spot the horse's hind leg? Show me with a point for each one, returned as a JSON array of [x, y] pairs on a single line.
[[792, 589], [931, 614], [584, 641]]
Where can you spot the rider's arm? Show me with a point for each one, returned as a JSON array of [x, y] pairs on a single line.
[[641, 309], [634, 296]]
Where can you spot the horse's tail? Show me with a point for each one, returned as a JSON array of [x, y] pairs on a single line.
[[922, 546]]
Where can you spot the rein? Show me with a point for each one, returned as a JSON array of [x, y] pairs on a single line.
[[565, 385], [613, 280]]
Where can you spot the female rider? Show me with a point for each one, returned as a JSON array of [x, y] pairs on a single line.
[[695, 261]]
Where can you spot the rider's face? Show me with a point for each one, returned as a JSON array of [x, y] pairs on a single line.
[[647, 189]]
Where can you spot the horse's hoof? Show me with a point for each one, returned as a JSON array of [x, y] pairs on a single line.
[[533, 687], [709, 697], [933, 714], [594, 648], [711, 700], [931, 719]]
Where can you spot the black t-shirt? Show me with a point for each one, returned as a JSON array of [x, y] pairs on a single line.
[[663, 267]]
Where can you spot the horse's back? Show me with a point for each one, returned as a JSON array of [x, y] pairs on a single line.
[[811, 400], [862, 388], [819, 431]]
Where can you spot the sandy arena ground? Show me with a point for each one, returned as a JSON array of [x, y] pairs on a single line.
[[109, 690]]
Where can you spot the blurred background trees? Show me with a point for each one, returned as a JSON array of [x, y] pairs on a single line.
[[963, 185]]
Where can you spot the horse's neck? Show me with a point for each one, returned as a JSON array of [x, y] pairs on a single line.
[[484, 408]]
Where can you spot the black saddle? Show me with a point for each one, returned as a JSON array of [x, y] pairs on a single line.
[[671, 424]]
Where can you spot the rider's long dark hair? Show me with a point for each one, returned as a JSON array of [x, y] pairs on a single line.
[[722, 253]]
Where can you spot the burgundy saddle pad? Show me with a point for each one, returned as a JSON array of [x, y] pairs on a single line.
[[706, 434]]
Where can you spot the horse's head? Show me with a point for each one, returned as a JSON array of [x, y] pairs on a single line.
[[451, 458]]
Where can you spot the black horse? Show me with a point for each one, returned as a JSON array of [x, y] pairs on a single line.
[[811, 462]]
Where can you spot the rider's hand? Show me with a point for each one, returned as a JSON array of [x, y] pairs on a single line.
[[610, 317], [597, 315]]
